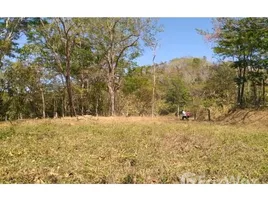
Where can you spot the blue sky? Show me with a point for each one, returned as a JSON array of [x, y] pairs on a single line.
[[180, 39]]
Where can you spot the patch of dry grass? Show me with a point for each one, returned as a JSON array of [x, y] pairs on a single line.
[[129, 150]]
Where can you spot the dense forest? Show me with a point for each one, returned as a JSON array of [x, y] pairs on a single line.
[[87, 66]]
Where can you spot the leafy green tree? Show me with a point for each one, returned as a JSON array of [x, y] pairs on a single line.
[[117, 39], [243, 41], [58, 38], [21, 91], [220, 86], [137, 90], [177, 94], [11, 29]]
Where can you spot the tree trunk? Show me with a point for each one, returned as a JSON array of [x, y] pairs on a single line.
[[254, 93], [263, 92], [55, 114], [97, 106], [68, 76], [82, 108], [70, 96], [248, 89], [239, 86], [112, 97], [153, 97], [43, 104], [111, 87], [243, 88], [63, 105], [82, 94]]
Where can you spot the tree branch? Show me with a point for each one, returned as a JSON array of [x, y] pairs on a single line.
[[125, 48]]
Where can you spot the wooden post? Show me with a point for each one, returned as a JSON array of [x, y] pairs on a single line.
[[208, 114]]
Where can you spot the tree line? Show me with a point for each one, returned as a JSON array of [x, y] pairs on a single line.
[[244, 42], [87, 66]]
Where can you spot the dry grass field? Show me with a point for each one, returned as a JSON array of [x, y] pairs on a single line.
[[132, 150]]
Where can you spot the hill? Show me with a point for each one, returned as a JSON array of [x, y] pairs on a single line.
[[250, 117]]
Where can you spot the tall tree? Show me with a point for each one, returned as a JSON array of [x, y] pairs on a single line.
[[58, 39], [117, 40]]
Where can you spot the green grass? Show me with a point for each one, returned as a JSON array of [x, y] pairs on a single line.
[[132, 150]]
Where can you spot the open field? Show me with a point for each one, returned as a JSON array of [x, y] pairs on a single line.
[[132, 150]]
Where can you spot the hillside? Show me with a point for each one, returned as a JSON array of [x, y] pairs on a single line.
[[246, 116]]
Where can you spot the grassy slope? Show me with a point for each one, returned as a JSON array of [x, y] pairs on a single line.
[[130, 150]]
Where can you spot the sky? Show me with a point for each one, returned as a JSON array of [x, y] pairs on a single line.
[[180, 39]]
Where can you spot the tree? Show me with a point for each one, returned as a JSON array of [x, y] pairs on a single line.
[[244, 40], [177, 94], [117, 39], [21, 86], [10, 31], [57, 37], [220, 86], [137, 90]]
